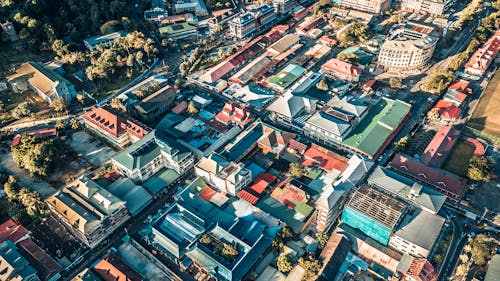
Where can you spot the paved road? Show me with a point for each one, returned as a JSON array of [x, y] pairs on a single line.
[[35, 123]]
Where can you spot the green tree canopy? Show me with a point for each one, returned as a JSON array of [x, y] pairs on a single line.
[[480, 168], [284, 263], [296, 170]]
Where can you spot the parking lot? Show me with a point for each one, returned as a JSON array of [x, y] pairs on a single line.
[[92, 150]]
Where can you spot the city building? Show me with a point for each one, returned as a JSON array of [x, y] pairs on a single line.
[[13, 266], [44, 81], [243, 26], [156, 104], [337, 69], [483, 57], [333, 123], [454, 187], [292, 110], [157, 11], [370, 6], [232, 113], [408, 48], [119, 131], [374, 132], [12, 231], [47, 269], [373, 213], [106, 40], [458, 92], [285, 78], [332, 256], [417, 233], [89, 210], [111, 268], [417, 269], [284, 6], [224, 175], [149, 155], [179, 31], [264, 16], [190, 6], [433, 7], [440, 146], [406, 189]]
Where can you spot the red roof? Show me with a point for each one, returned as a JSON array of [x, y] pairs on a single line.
[[232, 113], [112, 268], [262, 181], [10, 230], [441, 145], [483, 57], [449, 184], [43, 263], [461, 86], [41, 133], [107, 120], [317, 156], [448, 111], [423, 269], [207, 193], [478, 146], [342, 68], [297, 146], [247, 196], [180, 108]]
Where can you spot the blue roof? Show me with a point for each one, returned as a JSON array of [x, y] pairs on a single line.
[[245, 143]]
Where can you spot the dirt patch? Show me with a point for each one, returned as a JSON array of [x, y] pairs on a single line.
[[485, 117]]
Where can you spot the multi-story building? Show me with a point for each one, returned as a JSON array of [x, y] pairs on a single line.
[[408, 48], [483, 57], [152, 153], [292, 110], [155, 105], [284, 6], [434, 7], [264, 15], [117, 130], [89, 210], [106, 40], [190, 6], [243, 25], [337, 69], [43, 80], [222, 174], [370, 6]]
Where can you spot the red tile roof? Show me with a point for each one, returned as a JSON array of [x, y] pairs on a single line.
[[297, 146], [41, 133], [43, 263], [110, 122], [342, 68], [207, 193], [440, 146], [262, 181], [180, 108], [483, 57], [232, 113], [449, 184], [113, 269], [461, 86], [422, 269], [448, 111], [10, 230], [247, 196], [328, 40], [317, 156], [478, 146]]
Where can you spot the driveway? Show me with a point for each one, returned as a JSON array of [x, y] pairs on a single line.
[[95, 152]]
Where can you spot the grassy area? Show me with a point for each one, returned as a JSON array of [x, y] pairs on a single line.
[[106, 88], [11, 100], [485, 118], [458, 161]]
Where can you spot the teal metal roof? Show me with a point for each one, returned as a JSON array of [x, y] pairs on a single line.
[[367, 225], [139, 153]]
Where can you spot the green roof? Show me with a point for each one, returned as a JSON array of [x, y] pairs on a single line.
[[139, 153], [167, 176], [276, 209], [287, 76], [373, 131], [176, 28]]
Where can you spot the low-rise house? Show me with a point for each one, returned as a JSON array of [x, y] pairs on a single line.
[[332, 256], [232, 113], [254, 96], [136, 198], [285, 78], [13, 266], [47, 269], [179, 31], [106, 40], [454, 187], [292, 110], [89, 210], [337, 69], [440, 146], [152, 153], [39, 78], [186, 6], [155, 105], [39, 134], [483, 57], [458, 92], [448, 111], [417, 269], [12, 231], [222, 174], [114, 128], [111, 268]]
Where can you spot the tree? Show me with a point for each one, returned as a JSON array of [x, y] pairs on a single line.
[[401, 144], [32, 202], [284, 263], [192, 108], [322, 239], [75, 125], [22, 110], [396, 83], [117, 103], [438, 81], [354, 34], [60, 125], [80, 97], [480, 168], [461, 270], [59, 105], [433, 114], [464, 258], [10, 190], [60, 48], [481, 248], [284, 235], [311, 266], [15, 211], [229, 251], [348, 57], [322, 85], [296, 170], [206, 239]]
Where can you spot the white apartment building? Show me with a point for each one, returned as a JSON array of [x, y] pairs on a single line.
[[408, 48], [222, 174], [242, 26], [434, 7], [369, 6]]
